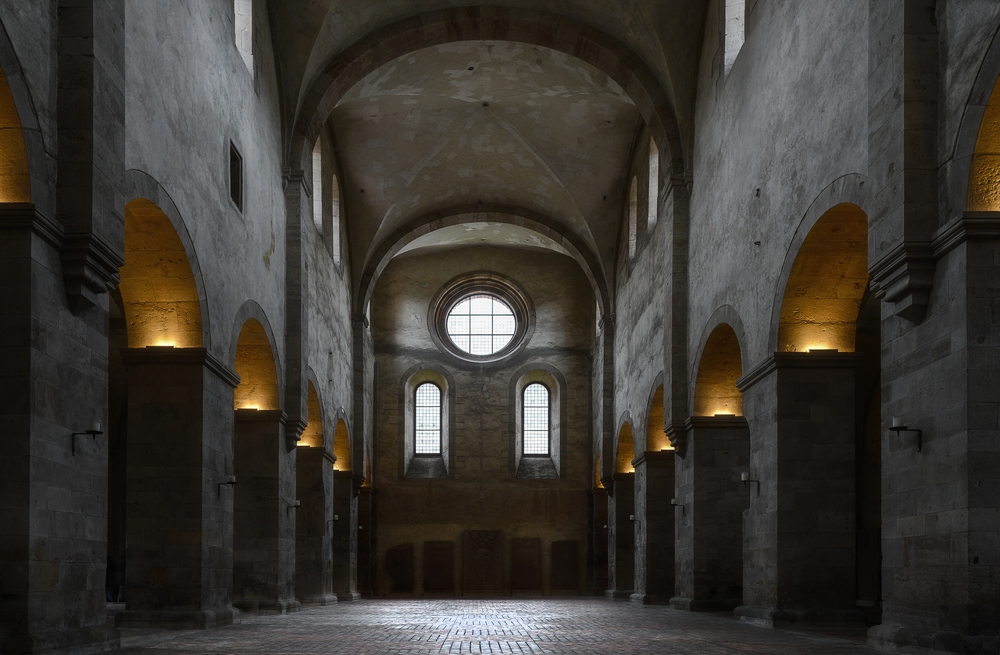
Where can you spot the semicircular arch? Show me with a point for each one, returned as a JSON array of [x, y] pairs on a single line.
[[252, 311]]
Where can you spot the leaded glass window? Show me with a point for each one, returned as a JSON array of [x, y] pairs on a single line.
[[481, 324], [427, 419], [535, 419]]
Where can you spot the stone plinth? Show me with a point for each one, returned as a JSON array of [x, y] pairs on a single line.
[[654, 527], [265, 516], [711, 500], [345, 537], [179, 519], [799, 532], [621, 536], [314, 526]]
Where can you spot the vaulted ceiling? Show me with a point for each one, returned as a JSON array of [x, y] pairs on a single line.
[[492, 122]]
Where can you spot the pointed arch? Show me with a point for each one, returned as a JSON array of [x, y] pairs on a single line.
[[625, 449], [312, 436], [342, 446], [255, 360], [719, 367], [656, 436], [15, 174]]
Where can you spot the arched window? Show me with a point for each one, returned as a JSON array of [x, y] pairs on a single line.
[[427, 419], [734, 31], [243, 20], [318, 184], [654, 185], [633, 215], [535, 406], [335, 213]]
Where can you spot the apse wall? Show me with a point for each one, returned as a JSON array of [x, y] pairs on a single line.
[[188, 96], [762, 158], [507, 522]]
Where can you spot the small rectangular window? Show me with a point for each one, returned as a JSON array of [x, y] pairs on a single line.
[[236, 176]]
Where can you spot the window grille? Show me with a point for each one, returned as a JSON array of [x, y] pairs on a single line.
[[481, 324], [535, 419], [427, 419]]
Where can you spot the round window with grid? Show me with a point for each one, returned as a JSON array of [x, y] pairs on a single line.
[[481, 324]]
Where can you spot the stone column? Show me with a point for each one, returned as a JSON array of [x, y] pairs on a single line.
[[621, 536], [345, 537], [654, 527], [799, 534], [314, 526], [598, 547], [366, 532], [53, 497], [179, 518], [711, 501], [941, 503], [264, 526]]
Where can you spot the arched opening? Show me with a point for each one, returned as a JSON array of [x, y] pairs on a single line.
[[826, 283], [342, 447], [984, 178], [158, 290], [626, 450], [656, 437], [335, 219], [715, 391], [15, 179], [258, 388], [312, 435], [317, 187], [654, 185]]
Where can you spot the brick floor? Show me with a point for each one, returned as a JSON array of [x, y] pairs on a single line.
[[577, 626]]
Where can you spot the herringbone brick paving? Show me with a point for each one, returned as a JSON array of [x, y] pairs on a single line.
[[565, 626]]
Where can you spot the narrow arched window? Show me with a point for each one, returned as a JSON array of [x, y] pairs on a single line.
[[243, 21], [535, 412], [318, 185], [654, 185], [734, 31], [335, 212], [633, 215], [427, 419]]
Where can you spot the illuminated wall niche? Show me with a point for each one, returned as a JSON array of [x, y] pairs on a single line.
[[258, 388], [158, 291], [984, 179], [312, 436], [825, 286], [342, 447], [626, 450], [720, 367], [656, 438], [15, 180]]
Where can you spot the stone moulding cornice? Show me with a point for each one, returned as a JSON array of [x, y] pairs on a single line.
[[262, 415], [22, 216], [653, 457], [971, 226], [797, 360], [360, 318], [169, 355], [904, 277], [715, 422]]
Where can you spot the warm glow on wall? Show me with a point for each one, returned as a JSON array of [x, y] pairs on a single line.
[[656, 437], [312, 436], [15, 179], [984, 178], [258, 388], [157, 287], [719, 368], [626, 450], [342, 447], [828, 279], [597, 474]]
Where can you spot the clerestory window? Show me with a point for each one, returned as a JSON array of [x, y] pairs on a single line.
[[243, 22], [481, 324], [317, 191], [535, 409], [427, 419]]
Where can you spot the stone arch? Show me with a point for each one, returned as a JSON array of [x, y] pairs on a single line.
[[984, 173], [656, 436], [255, 360], [342, 446], [825, 321], [982, 108], [479, 213], [719, 367], [625, 446], [141, 186], [313, 434], [158, 288], [23, 174], [476, 23]]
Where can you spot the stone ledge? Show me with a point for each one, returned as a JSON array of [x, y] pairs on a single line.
[[895, 638], [703, 604], [79, 641], [178, 619]]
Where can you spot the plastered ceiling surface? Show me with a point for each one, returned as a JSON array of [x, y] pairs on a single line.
[[480, 234], [485, 121]]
